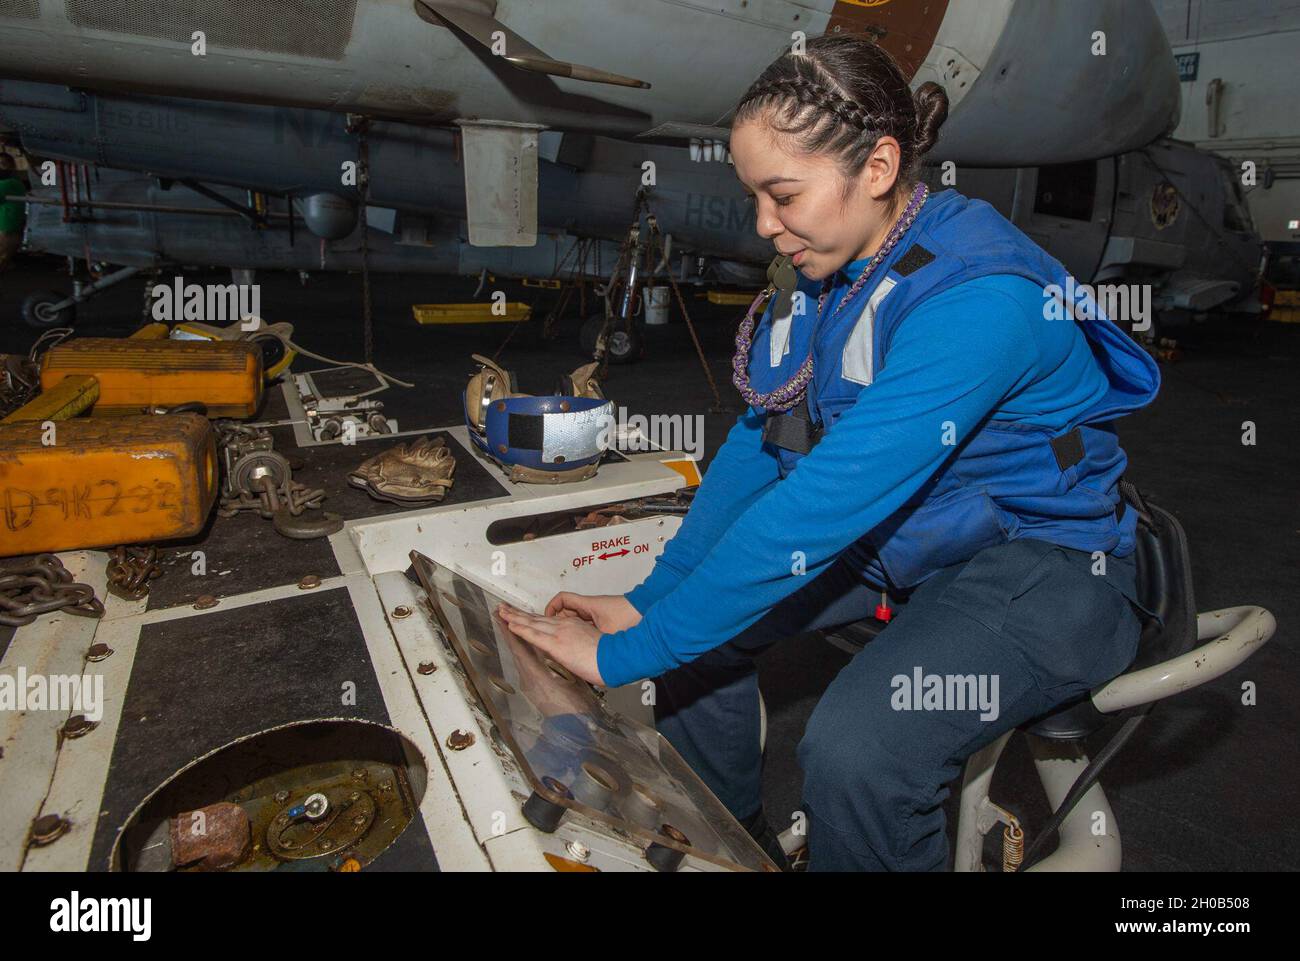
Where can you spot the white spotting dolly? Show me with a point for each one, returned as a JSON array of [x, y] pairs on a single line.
[[499, 760]]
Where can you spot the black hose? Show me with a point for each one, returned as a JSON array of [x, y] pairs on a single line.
[[1082, 784]]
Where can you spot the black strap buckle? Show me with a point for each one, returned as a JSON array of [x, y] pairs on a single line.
[[794, 430]]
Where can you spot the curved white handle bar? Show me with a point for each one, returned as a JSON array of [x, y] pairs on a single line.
[[1234, 632]]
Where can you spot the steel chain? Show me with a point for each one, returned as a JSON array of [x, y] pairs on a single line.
[[40, 586], [130, 569]]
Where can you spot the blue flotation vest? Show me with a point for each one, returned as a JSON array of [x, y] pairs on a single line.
[[1008, 479]]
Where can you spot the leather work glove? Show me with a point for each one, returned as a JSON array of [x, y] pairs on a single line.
[[417, 472]]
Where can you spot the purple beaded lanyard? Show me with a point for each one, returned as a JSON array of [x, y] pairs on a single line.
[[792, 391]]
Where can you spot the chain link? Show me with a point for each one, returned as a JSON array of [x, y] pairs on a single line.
[[20, 377], [40, 586], [130, 569], [242, 446], [271, 497]]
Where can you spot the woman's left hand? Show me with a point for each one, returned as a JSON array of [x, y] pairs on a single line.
[[569, 641]]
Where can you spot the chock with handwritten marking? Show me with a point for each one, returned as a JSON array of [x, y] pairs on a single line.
[[99, 482]]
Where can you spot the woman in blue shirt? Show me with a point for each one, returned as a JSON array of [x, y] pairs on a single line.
[[928, 418]]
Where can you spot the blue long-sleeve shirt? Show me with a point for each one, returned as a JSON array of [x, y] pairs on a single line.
[[740, 472], [980, 348]]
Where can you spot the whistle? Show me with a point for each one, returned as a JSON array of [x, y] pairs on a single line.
[[781, 273]]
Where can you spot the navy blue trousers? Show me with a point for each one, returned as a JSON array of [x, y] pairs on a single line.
[[1021, 627]]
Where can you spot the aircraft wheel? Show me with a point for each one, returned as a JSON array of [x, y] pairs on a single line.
[[38, 312], [623, 346]]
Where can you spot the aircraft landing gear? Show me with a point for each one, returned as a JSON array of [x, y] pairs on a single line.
[[623, 344], [45, 309]]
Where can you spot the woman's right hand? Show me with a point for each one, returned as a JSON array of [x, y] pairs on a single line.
[[609, 612]]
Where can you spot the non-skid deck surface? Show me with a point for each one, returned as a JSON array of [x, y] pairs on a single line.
[[198, 683], [244, 553]]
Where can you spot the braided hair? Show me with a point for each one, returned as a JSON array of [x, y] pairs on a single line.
[[841, 95]]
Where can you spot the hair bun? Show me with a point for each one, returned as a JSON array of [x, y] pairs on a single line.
[[931, 111]]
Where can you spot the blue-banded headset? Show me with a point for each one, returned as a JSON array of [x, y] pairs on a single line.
[[550, 439]]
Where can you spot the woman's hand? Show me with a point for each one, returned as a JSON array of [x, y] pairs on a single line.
[[609, 612], [568, 640]]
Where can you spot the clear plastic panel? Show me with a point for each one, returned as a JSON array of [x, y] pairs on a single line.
[[573, 750]]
